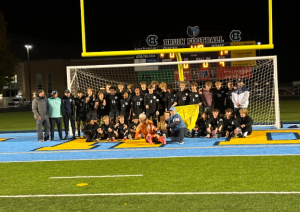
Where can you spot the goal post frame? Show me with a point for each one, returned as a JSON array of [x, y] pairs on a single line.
[[180, 63]]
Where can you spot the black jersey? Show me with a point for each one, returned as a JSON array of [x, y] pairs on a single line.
[[103, 108], [182, 98], [215, 123], [125, 106], [201, 123], [163, 100], [170, 99], [194, 98], [80, 105], [157, 91], [152, 100], [144, 92], [121, 128], [133, 126], [90, 129], [228, 124], [137, 103], [219, 99], [91, 103], [105, 128], [228, 100], [114, 103], [247, 121]]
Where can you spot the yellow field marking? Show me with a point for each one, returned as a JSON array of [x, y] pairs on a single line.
[[4, 139], [260, 137], [71, 145], [137, 144]]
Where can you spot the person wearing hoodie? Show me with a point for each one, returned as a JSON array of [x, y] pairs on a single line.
[[40, 113], [55, 114]]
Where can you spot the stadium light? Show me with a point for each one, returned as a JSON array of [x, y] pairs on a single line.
[[258, 43], [29, 47]]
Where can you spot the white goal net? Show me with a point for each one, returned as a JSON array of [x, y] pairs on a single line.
[[258, 73]]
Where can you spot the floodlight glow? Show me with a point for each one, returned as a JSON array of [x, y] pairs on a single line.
[[28, 46]]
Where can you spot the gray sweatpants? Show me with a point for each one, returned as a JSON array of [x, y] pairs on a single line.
[[46, 124]]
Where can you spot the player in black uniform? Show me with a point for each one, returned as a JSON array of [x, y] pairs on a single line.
[[162, 98], [182, 96], [107, 130], [132, 127], [214, 125], [125, 107], [137, 103], [90, 131], [102, 108], [114, 105], [144, 89], [200, 126], [170, 97], [80, 110], [92, 103], [228, 123], [121, 128], [195, 97], [130, 90], [228, 92], [219, 98], [243, 124], [151, 102], [156, 88]]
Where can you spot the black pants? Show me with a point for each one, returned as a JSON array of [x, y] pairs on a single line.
[[68, 119], [56, 121]]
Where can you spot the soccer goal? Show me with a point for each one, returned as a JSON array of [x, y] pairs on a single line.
[[258, 73]]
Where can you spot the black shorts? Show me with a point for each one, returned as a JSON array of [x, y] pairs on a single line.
[[114, 113], [81, 117], [92, 114]]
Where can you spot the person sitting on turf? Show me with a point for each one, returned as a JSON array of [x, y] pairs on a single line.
[[243, 124], [228, 123], [166, 132], [200, 126], [147, 128], [177, 126], [107, 130], [121, 128], [90, 130], [132, 127], [214, 125]]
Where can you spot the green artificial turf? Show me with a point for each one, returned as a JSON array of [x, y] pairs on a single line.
[[197, 174]]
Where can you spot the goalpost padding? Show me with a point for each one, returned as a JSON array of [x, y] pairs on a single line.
[[258, 73]]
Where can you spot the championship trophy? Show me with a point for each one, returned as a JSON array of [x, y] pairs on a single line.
[[162, 123]]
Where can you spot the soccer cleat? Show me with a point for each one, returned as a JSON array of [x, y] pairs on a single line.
[[46, 138], [113, 139], [245, 135], [180, 142]]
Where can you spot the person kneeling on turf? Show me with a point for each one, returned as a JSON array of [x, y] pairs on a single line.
[[177, 127], [243, 124], [107, 130], [214, 125], [90, 130], [147, 128]]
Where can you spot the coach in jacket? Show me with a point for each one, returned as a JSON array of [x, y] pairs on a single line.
[[40, 113]]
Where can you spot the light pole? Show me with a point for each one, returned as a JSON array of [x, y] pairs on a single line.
[[258, 43], [28, 61]]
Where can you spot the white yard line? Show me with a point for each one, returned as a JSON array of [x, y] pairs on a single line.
[[154, 193], [137, 175]]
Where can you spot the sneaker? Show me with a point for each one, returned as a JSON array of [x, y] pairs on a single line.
[[245, 135], [66, 137], [124, 139], [113, 139], [41, 140], [129, 137], [97, 140], [181, 142], [46, 138], [108, 139]]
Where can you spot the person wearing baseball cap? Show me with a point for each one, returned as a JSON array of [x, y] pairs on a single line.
[[240, 96], [55, 114], [40, 110], [178, 128]]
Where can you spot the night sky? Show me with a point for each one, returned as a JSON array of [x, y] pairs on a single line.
[[111, 25]]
